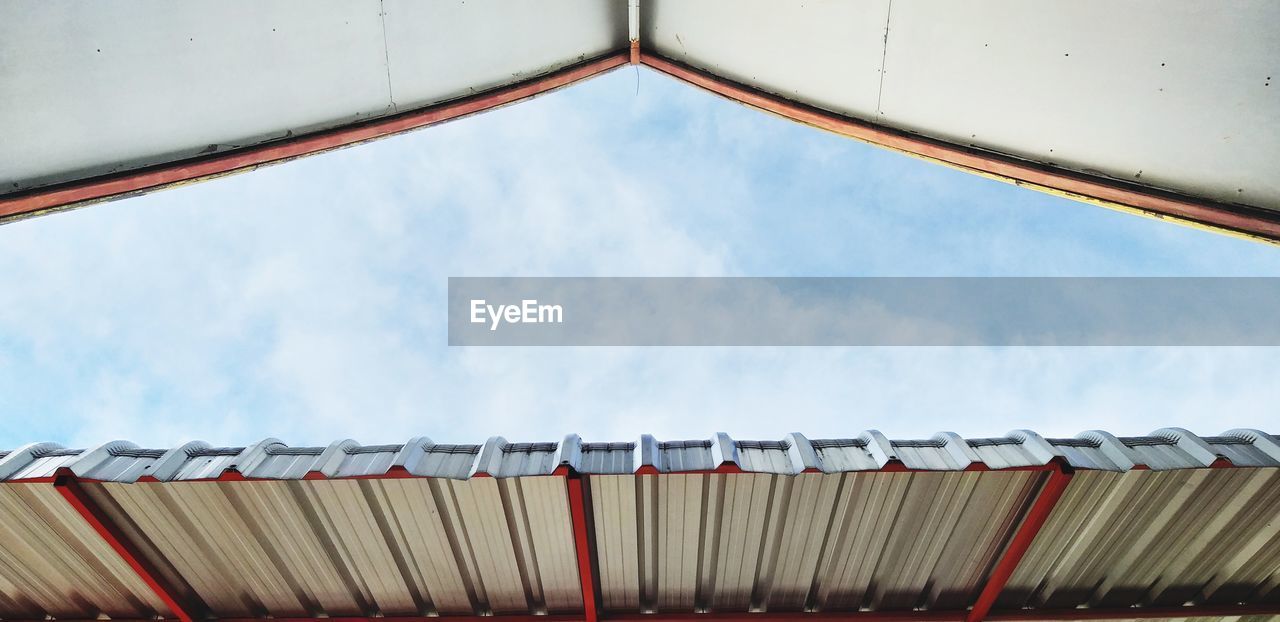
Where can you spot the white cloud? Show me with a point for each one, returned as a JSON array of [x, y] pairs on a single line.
[[305, 301]]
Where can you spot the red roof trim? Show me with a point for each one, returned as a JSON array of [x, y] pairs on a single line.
[[1255, 222], [79, 193], [1249, 221]]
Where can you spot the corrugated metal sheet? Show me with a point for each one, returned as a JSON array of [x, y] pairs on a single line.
[[1156, 539], [361, 546], [52, 563], [815, 542], [718, 524]]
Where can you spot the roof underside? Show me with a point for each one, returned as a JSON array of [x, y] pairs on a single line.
[[864, 524], [1157, 107]]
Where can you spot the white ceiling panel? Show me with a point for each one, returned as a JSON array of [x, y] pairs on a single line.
[[1177, 95], [95, 88], [447, 49], [826, 53]]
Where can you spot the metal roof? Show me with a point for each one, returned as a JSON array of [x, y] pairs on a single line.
[[1159, 108], [1016, 527]]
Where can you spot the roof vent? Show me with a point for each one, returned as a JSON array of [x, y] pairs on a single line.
[[665, 445], [831, 443], [375, 449], [276, 450], [454, 449], [588, 447], [1145, 441], [992, 442], [216, 451], [764, 445], [925, 443], [138, 453], [1226, 440], [1074, 442], [522, 448]]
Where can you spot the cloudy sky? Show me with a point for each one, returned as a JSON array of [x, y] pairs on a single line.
[[306, 301]]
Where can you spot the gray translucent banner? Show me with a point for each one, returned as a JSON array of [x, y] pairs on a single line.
[[864, 311]]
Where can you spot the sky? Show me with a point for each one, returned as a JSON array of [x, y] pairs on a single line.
[[306, 301]]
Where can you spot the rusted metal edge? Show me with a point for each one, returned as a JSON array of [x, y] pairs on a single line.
[[71, 195], [1246, 221]]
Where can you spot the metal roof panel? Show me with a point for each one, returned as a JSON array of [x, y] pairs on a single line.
[[864, 523], [1155, 538], [272, 459], [52, 562]]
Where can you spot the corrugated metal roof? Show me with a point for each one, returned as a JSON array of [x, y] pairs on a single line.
[[1156, 539], [52, 563], [363, 547], [864, 523], [820, 542]]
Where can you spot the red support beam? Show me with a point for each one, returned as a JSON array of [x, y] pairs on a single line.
[[793, 616], [1137, 613], [67, 484], [582, 545], [1037, 515], [501, 617], [1022, 615]]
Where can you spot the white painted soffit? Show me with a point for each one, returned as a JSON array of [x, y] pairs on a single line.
[[1175, 95], [1159, 108]]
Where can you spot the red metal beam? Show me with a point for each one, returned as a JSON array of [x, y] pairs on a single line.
[[1136, 613], [501, 617], [1037, 515], [582, 544], [1025, 615], [66, 483], [793, 616], [74, 194], [1250, 221]]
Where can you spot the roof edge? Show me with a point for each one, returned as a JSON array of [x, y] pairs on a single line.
[[80, 193], [1245, 221]]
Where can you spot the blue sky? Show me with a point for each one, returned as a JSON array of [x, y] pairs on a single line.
[[306, 301]]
